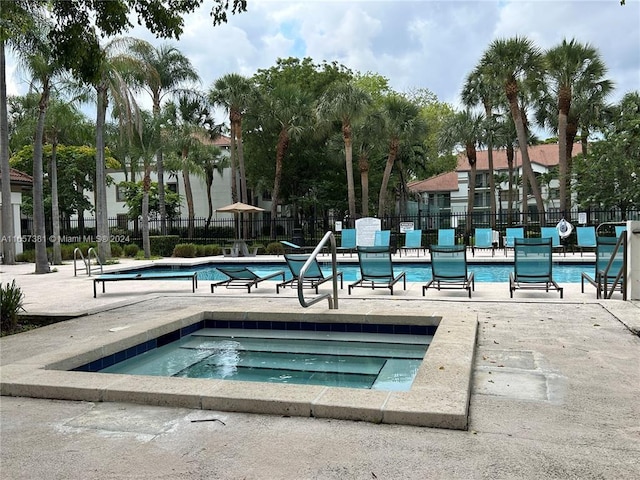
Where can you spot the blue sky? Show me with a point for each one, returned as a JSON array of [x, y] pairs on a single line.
[[415, 44]]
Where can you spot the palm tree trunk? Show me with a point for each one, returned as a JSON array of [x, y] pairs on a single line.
[[146, 186], [39, 231], [8, 244], [562, 161], [242, 174], [55, 209], [189, 195], [510, 158], [161, 197], [393, 152], [233, 164], [209, 183], [472, 157], [102, 221], [283, 144], [363, 164], [348, 160]]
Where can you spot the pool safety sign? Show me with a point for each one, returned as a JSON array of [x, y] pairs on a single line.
[[406, 226]]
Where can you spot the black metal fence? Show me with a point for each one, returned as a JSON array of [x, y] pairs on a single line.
[[309, 231]]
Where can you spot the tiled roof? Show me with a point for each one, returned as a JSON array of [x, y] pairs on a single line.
[[445, 182], [545, 155], [19, 178]]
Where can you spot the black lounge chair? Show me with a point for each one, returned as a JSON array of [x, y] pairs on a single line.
[[449, 269], [376, 269], [242, 277], [533, 265], [313, 277]]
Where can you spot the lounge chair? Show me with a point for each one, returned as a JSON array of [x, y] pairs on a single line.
[[554, 235], [533, 266], [620, 229], [483, 239], [347, 241], [511, 234], [412, 241], [586, 238], [313, 277], [449, 269], [446, 236], [376, 269], [242, 277], [382, 238], [607, 278]]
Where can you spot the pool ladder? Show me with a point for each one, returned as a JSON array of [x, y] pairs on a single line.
[[86, 261], [333, 299]]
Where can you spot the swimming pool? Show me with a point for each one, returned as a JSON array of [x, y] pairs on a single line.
[[416, 272], [363, 360]]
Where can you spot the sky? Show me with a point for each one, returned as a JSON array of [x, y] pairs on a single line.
[[414, 44]]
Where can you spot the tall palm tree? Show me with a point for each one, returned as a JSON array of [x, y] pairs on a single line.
[[402, 121], [345, 102], [289, 109], [18, 23], [165, 71], [465, 129], [517, 64], [367, 134], [572, 69], [234, 92], [481, 89]]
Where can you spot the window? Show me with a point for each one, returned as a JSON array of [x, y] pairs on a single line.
[[121, 193], [172, 187]]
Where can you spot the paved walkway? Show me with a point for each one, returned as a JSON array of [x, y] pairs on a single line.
[[555, 395]]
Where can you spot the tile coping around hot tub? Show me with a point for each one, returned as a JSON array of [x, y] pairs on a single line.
[[439, 396]]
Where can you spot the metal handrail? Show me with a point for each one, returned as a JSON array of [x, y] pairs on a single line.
[[85, 261], [75, 257], [95, 255], [622, 274], [333, 300]]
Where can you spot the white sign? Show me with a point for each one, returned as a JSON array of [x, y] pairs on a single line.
[[406, 226], [338, 226], [582, 218], [366, 231]]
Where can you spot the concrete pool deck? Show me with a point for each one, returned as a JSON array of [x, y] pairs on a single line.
[[555, 388]]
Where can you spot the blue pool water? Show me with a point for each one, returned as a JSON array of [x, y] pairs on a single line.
[[341, 359], [416, 272]]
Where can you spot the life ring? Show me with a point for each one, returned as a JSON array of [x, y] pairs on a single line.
[[564, 228]]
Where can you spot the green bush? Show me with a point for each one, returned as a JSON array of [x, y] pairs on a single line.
[[131, 250], [11, 302], [163, 245], [275, 248], [185, 250], [116, 250], [26, 256]]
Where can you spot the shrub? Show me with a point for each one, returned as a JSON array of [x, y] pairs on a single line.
[[275, 248], [186, 250], [116, 250], [163, 245], [11, 301], [26, 256], [131, 250]]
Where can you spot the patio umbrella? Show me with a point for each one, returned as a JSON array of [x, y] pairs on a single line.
[[240, 208]]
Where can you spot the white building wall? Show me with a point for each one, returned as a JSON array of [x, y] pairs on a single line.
[[16, 201]]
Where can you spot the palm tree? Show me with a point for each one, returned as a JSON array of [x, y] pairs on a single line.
[[289, 114], [345, 102], [481, 89], [165, 70], [572, 69], [402, 122], [517, 64], [466, 129], [234, 92], [18, 23], [368, 132]]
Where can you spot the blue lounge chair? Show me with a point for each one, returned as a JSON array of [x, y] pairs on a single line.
[[376, 269], [554, 235], [533, 266], [483, 239], [620, 229], [313, 278], [449, 269], [242, 277], [446, 236], [382, 238], [586, 238], [412, 241], [511, 234], [609, 270], [347, 241]]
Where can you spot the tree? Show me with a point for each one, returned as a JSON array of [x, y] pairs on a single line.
[[466, 129], [517, 64], [165, 70], [402, 122], [234, 92], [572, 69], [345, 102]]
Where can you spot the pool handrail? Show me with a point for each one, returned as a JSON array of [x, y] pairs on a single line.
[[333, 300]]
